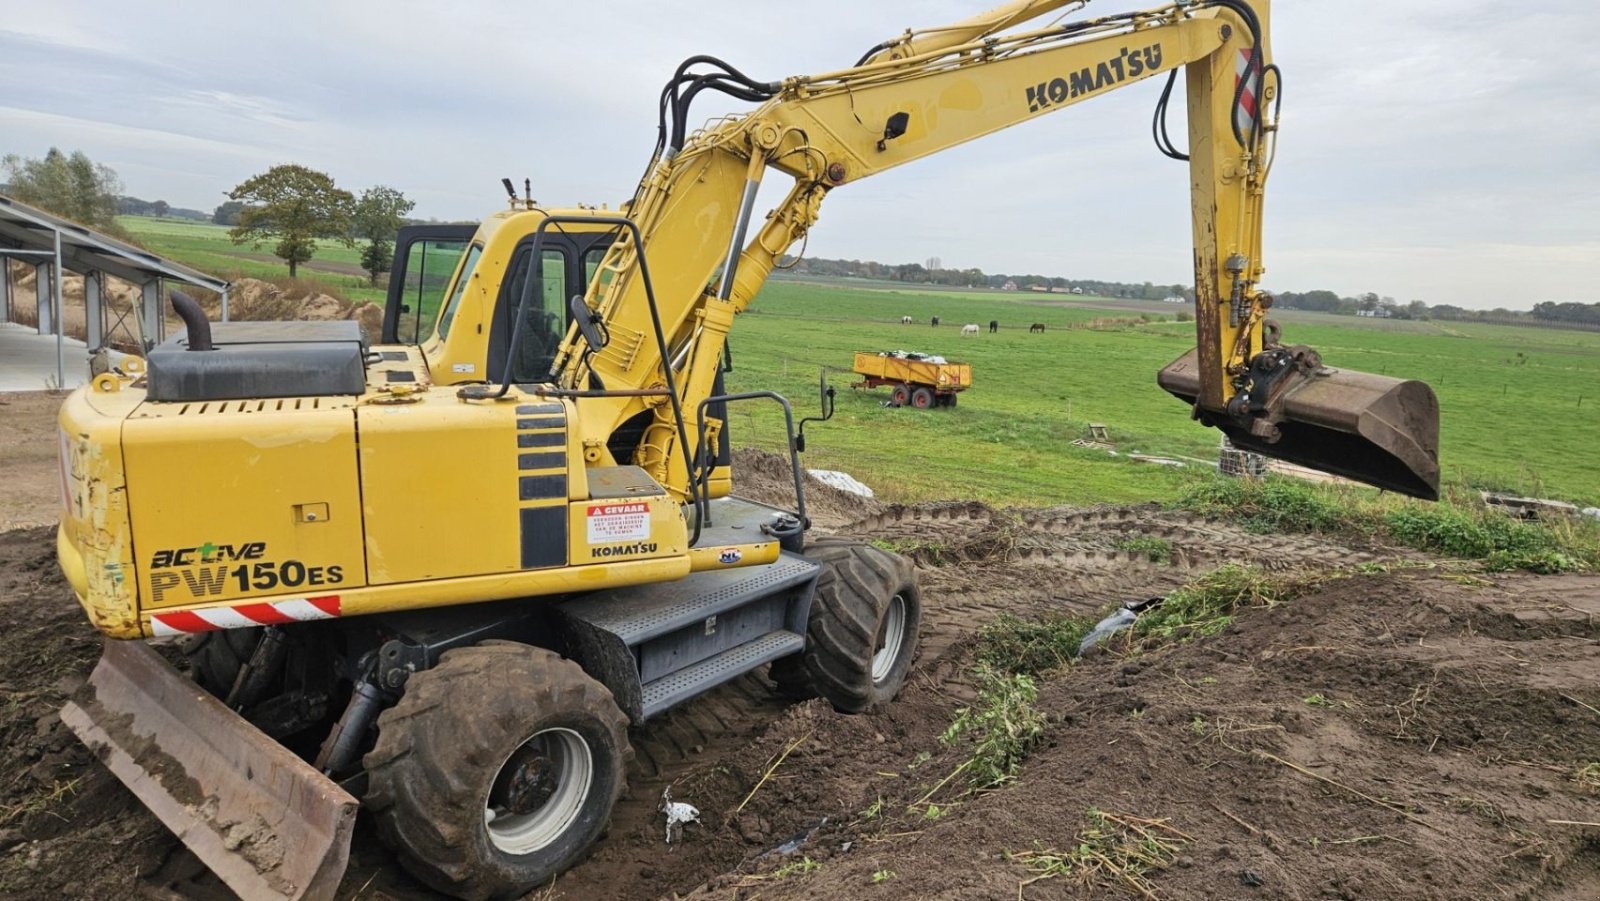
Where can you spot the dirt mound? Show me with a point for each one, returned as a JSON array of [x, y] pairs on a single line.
[[1367, 741], [249, 300], [1404, 734], [768, 478], [255, 300]]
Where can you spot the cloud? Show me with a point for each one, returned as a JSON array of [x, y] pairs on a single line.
[[1441, 149]]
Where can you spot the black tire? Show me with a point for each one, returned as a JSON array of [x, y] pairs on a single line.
[[215, 658], [950, 399], [444, 755], [922, 398], [862, 594], [901, 395]]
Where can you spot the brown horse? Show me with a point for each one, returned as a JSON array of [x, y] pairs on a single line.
[[1036, 327]]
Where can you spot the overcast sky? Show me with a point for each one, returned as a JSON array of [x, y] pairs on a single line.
[[1442, 150]]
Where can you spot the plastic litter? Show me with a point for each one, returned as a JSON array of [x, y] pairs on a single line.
[[1125, 616], [678, 813]]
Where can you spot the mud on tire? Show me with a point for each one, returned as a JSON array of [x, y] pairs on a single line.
[[215, 658], [866, 610], [499, 728]]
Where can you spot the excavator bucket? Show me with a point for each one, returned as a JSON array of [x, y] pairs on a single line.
[[262, 819], [1374, 429]]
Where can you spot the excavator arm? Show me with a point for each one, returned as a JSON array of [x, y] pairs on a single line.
[[928, 91]]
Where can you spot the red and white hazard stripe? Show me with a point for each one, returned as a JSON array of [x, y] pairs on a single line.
[[240, 616], [1245, 114]]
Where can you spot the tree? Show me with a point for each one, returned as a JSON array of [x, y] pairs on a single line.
[[71, 186], [378, 215], [227, 213], [295, 206]]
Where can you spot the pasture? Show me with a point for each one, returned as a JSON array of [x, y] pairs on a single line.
[[1520, 406]]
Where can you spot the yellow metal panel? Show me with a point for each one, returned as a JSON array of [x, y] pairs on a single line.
[[94, 543], [475, 589], [618, 529], [216, 489], [440, 488]]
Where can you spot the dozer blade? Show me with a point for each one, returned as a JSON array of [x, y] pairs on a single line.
[[1374, 429], [262, 819]]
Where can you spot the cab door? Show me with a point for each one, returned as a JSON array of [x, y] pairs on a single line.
[[425, 256]]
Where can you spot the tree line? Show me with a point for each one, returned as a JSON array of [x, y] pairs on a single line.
[[290, 206], [931, 273], [1581, 315]]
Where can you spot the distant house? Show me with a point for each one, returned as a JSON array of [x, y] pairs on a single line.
[[1009, 286], [1077, 290], [1040, 288], [1058, 290], [1379, 313], [1172, 299]]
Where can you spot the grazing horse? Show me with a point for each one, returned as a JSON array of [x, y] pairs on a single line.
[[936, 322], [969, 330], [1036, 327], [905, 320], [994, 326]]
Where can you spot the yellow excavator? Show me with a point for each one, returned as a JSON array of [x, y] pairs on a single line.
[[445, 573]]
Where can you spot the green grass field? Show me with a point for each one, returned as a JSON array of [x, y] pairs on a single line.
[[1512, 418], [1520, 406], [207, 247]]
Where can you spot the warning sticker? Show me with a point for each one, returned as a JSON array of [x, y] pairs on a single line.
[[618, 522]]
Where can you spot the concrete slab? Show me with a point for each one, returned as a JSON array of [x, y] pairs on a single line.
[[28, 360]]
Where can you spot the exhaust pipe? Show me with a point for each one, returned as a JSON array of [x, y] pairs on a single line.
[[1371, 428], [194, 321]]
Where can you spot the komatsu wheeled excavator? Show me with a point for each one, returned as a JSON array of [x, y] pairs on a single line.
[[445, 577]]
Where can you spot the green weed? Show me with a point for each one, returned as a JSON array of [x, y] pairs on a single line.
[[1588, 777], [882, 876], [1004, 727], [1159, 550], [1112, 851], [1010, 644], [1207, 605]]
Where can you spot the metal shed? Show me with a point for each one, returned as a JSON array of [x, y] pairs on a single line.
[[54, 245]]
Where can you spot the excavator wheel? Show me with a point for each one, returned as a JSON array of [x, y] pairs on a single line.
[[863, 629], [215, 658], [497, 769]]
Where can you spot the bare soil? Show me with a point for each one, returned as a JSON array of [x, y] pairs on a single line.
[[1413, 732]]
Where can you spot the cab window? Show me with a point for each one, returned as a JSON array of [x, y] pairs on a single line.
[[545, 322], [468, 267]]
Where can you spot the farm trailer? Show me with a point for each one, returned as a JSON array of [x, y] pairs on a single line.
[[918, 380]]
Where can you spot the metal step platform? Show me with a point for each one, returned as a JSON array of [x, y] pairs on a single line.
[[658, 645]]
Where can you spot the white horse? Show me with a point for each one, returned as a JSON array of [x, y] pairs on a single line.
[[970, 328]]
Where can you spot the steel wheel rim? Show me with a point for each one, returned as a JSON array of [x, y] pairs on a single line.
[[894, 638], [571, 770]]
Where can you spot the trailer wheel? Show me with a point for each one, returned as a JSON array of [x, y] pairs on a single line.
[[922, 398], [497, 769], [950, 399], [863, 629], [901, 395]]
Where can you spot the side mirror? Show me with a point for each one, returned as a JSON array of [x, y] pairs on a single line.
[[825, 394], [894, 128], [588, 323]]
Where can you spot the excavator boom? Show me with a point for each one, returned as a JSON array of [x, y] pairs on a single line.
[[928, 91]]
